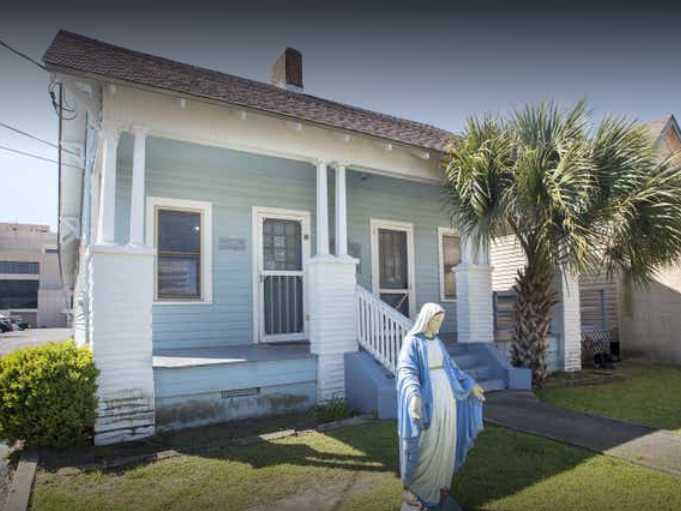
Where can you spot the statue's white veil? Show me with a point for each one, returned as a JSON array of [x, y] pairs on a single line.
[[428, 311]]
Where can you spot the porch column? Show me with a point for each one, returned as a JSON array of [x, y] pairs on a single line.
[[107, 193], [331, 293], [322, 206], [570, 322], [137, 195], [120, 298], [341, 212], [474, 307]]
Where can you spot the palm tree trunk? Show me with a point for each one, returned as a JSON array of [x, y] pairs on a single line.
[[532, 318]]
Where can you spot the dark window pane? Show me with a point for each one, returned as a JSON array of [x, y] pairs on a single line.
[[179, 231], [179, 276], [19, 294], [397, 301], [19, 267], [392, 249], [282, 247], [451, 248]]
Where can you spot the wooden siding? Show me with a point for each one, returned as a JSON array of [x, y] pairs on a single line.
[[234, 182], [374, 196], [506, 258], [598, 299]]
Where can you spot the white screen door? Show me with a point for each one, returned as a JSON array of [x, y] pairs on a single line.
[[283, 247], [393, 264]]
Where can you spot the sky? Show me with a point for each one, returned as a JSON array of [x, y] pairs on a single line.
[[434, 62]]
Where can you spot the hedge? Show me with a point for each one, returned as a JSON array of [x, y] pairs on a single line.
[[48, 395]]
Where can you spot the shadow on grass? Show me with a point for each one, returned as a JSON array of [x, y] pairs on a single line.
[[501, 464]]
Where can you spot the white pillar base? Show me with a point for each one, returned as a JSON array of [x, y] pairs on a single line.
[[571, 322], [331, 298], [474, 308], [120, 326]]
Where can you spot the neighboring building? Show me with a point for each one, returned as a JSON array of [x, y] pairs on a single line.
[[30, 286], [238, 248], [650, 320]]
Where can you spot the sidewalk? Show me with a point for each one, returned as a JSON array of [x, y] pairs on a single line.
[[522, 411]]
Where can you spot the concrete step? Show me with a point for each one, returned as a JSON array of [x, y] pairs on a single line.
[[478, 373], [492, 385], [466, 361]]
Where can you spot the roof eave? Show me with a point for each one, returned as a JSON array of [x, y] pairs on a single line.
[[57, 68]]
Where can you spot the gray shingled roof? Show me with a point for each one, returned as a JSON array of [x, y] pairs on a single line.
[[657, 126], [74, 53]]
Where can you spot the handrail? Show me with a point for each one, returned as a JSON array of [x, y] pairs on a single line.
[[380, 328]]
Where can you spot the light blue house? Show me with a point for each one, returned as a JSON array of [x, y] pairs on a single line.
[[238, 248]]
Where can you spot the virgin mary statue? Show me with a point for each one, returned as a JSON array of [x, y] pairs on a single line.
[[439, 413]]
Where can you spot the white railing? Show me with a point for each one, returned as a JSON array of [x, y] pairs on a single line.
[[380, 328]]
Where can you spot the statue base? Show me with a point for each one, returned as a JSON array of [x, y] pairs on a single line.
[[448, 505]]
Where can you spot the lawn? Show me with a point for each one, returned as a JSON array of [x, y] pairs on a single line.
[[354, 469], [642, 393]]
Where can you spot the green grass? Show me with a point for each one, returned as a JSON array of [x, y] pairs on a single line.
[[354, 469], [646, 394]]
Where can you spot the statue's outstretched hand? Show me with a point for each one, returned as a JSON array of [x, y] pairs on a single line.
[[415, 408], [479, 393]]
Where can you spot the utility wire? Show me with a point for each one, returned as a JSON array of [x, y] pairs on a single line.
[[16, 130], [22, 55], [31, 155]]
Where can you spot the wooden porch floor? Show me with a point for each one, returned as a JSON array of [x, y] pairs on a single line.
[[236, 354]]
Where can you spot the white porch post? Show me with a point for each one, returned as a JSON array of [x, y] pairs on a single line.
[[331, 294], [122, 284], [474, 307], [322, 207], [107, 197], [137, 196], [571, 321], [341, 212]]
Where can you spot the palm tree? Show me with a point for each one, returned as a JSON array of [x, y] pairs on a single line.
[[576, 196]]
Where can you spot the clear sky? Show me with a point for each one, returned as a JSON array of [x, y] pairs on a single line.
[[436, 62]]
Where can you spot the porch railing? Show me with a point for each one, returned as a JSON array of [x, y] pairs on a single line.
[[380, 328]]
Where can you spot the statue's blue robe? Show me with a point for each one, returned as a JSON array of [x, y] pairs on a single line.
[[413, 378]]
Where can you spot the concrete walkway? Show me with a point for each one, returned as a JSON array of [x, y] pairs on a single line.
[[12, 341], [522, 411]]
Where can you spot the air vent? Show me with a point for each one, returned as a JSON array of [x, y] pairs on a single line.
[[228, 394]]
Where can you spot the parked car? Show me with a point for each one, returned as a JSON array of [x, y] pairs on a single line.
[[5, 324]]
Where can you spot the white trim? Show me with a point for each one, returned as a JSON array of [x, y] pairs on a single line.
[[19, 276], [441, 232], [258, 214], [206, 210], [374, 225]]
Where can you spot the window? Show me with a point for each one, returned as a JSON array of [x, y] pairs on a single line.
[[450, 256], [181, 233], [27, 267], [19, 294]]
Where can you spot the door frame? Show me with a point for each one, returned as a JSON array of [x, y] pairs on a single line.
[[374, 225], [258, 215]]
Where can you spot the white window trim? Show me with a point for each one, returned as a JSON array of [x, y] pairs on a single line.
[[374, 225], [206, 211], [261, 212], [441, 232]]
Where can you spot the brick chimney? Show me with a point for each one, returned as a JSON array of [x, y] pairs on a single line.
[[287, 71]]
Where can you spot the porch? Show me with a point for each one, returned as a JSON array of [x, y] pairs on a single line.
[[199, 386]]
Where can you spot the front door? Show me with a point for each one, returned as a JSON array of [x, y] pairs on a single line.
[[283, 245], [392, 264]]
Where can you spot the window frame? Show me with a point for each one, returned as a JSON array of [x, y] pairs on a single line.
[[441, 233], [205, 209]]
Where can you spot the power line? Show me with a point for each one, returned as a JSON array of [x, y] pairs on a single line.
[[16, 130], [31, 155], [22, 55]]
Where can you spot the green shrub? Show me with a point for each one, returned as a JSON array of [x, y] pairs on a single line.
[[334, 409], [48, 395]]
